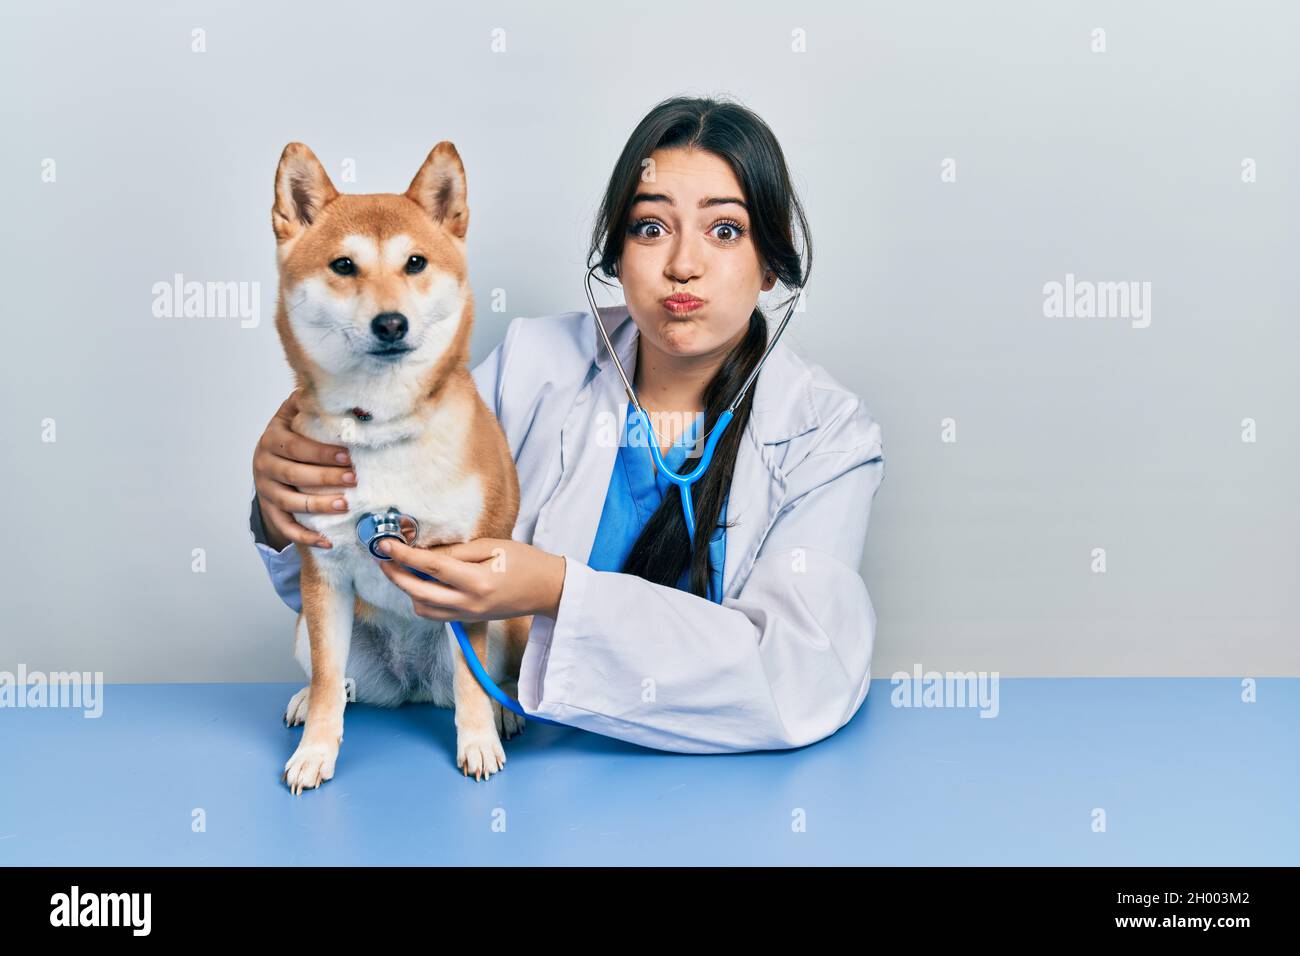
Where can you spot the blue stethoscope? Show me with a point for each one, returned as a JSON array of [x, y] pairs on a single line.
[[638, 415], [378, 525]]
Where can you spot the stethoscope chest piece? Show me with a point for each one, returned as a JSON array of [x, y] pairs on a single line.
[[378, 525]]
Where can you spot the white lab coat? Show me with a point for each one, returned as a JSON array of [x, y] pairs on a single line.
[[785, 659]]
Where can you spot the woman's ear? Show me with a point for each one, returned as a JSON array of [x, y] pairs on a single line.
[[769, 280]]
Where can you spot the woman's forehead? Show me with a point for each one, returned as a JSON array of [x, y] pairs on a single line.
[[690, 174]]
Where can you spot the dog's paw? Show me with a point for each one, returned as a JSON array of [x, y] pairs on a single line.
[[310, 766], [479, 752], [296, 712], [508, 722]]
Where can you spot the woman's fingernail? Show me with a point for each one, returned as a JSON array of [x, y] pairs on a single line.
[[349, 477], [384, 547], [341, 457], [340, 504]]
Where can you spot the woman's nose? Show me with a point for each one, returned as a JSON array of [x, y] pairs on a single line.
[[685, 260]]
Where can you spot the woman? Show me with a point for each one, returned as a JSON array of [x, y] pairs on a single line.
[[760, 635]]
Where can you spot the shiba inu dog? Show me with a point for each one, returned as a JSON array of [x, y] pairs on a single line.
[[375, 314]]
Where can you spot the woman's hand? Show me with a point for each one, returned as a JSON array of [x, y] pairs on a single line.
[[485, 579], [291, 472]]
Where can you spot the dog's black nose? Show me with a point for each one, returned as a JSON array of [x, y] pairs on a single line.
[[389, 326]]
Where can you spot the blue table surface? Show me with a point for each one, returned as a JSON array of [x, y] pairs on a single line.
[[1186, 772]]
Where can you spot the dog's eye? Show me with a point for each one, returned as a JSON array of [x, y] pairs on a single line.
[[415, 264], [344, 266]]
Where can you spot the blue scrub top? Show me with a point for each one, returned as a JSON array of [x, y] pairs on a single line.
[[635, 490]]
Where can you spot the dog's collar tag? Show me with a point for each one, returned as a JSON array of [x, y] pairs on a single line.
[[361, 414]]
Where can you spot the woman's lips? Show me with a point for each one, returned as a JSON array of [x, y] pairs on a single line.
[[681, 304]]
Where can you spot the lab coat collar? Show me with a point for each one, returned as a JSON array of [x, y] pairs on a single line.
[[783, 405]]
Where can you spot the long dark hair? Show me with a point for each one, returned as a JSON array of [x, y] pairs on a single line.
[[740, 138]]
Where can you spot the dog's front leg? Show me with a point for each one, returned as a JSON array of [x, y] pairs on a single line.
[[478, 747], [329, 607]]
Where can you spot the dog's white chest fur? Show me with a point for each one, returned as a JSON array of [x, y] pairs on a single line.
[[426, 475]]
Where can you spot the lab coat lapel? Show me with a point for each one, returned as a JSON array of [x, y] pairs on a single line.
[[589, 441], [757, 490], [782, 409]]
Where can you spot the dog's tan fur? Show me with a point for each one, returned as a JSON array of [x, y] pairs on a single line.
[[429, 426]]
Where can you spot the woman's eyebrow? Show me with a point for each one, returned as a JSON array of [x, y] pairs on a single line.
[[702, 204]]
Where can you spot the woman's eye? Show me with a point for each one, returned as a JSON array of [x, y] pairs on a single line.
[[731, 231], [647, 229], [343, 266], [415, 264], [726, 232]]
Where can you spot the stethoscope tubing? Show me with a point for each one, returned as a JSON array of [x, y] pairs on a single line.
[[684, 482]]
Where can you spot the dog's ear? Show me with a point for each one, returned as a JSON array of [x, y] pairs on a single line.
[[439, 188], [302, 188]]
